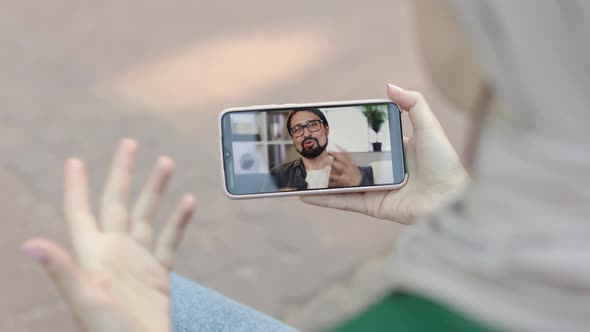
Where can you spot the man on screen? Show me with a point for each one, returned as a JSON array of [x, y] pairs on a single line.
[[316, 168]]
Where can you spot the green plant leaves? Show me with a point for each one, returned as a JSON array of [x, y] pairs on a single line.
[[376, 115]]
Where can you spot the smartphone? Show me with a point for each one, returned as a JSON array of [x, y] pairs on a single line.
[[315, 148]]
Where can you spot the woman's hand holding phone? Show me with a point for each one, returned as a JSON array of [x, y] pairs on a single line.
[[435, 170]]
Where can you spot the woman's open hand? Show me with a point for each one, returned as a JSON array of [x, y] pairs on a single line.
[[117, 278]]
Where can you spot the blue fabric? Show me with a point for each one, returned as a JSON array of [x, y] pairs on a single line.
[[196, 308]]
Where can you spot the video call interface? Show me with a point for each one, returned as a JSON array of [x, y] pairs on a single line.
[[310, 148]]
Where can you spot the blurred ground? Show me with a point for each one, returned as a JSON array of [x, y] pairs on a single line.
[[76, 76]]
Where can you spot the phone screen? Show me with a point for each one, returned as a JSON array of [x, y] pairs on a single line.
[[312, 148]]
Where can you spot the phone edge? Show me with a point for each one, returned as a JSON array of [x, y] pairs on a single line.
[[298, 192]]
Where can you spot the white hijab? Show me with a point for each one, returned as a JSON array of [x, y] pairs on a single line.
[[516, 253]]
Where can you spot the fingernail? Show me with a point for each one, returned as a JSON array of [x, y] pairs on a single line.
[[74, 163], [189, 201], [165, 160], [165, 163], [393, 86], [129, 143], [35, 253]]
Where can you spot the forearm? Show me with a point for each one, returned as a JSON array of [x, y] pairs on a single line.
[[196, 308]]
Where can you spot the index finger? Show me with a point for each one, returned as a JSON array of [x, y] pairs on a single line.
[[341, 148], [343, 152], [344, 159], [81, 223], [339, 156]]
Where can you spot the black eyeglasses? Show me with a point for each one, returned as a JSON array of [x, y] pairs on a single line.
[[312, 126]]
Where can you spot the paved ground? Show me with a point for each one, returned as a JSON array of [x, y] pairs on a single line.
[[77, 76]]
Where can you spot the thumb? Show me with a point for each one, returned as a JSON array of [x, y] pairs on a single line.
[[57, 262], [414, 103]]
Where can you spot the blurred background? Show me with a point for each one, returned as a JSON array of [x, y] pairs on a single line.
[[76, 76]]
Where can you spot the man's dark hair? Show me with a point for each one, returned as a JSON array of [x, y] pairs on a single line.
[[313, 110]]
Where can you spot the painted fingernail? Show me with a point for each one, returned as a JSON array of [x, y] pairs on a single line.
[[35, 253]]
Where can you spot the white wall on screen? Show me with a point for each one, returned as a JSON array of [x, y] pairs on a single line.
[[349, 129]]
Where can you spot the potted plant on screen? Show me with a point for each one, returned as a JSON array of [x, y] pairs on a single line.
[[376, 115]]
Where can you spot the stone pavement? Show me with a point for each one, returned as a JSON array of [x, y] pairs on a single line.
[[76, 76]]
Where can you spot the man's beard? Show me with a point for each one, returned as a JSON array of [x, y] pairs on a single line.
[[313, 152]]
